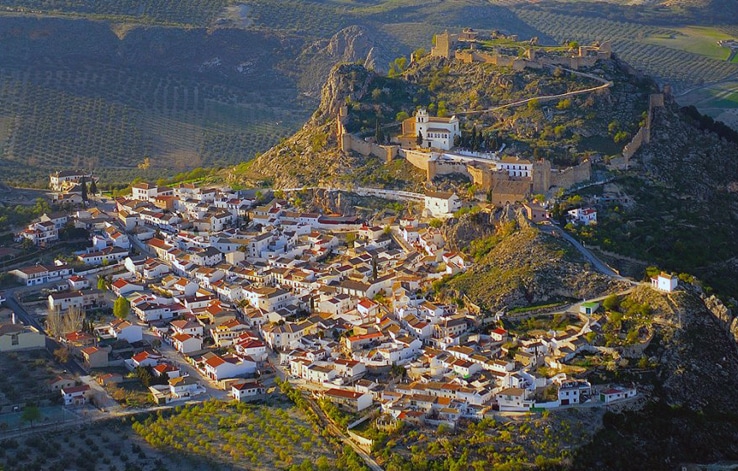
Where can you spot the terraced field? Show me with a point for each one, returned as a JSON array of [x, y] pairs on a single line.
[[114, 118], [170, 12], [635, 43]]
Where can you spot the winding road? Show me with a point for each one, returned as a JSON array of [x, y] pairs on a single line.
[[598, 264]]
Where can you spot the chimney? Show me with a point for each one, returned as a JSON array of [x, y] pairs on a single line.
[[12, 318]]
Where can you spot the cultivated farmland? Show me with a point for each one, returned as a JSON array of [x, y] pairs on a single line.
[[249, 437]]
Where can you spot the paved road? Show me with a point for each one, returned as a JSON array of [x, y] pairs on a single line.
[[173, 356], [598, 264]]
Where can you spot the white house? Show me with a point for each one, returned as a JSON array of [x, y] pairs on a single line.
[[124, 330], [104, 256], [76, 395], [572, 392], [437, 132], [122, 287], [245, 390], [584, 216], [183, 326], [515, 167], [184, 386], [38, 274], [514, 400], [143, 359], [218, 367], [611, 395], [61, 179], [352, 400], [186, 343], [77, 283], [440, 203], [665, 282]]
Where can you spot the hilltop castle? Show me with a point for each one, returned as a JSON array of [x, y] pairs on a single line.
[[470, 46]]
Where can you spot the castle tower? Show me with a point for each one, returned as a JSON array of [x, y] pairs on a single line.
[[443, 45], [541, 176]]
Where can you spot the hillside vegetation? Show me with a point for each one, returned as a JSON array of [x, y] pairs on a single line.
[[684, 210], [688, 419], [213, 82], [564, 131], [519, 265]]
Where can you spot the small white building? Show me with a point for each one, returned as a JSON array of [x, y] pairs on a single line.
[[124, 330], [186, 343], [352, 400], [76, 395], [516, 167], [246, 390], [514, 400], [585, 216], [665, 282], [440, 203], [615, 394]]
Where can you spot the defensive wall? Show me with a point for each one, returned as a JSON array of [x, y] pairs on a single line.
[[347, 142], [643, 136], [586, 56], [487, 177]]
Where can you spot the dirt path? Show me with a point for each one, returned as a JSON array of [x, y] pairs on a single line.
[[605, 84]]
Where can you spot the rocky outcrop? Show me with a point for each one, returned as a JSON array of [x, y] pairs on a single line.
[[529, 267], [354, 44]]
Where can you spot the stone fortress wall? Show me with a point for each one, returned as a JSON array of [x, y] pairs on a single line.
[[586, 56], [347, 142], [643, 136]]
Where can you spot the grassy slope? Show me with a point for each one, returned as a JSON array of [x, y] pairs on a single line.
[[526, 267]]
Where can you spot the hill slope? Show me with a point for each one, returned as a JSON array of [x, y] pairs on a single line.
[[520, 265], [689, 418]]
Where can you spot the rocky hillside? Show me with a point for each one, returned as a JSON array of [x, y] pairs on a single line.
[[520, 265], [354, 44], [682, 213], [563, 131], [689, 418], [311, 157]]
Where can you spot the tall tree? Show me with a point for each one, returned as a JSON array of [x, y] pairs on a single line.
[[59, 323], [83, 184], [93, 186], [121, 307], [419, 139], [31, 414], [379, 134]]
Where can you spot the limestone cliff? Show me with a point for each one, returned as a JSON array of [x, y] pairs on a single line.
[[354, 44]]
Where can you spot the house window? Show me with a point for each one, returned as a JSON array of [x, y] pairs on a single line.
[[14, 339]]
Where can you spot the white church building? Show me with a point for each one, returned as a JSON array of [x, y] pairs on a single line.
[[437, 133]]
